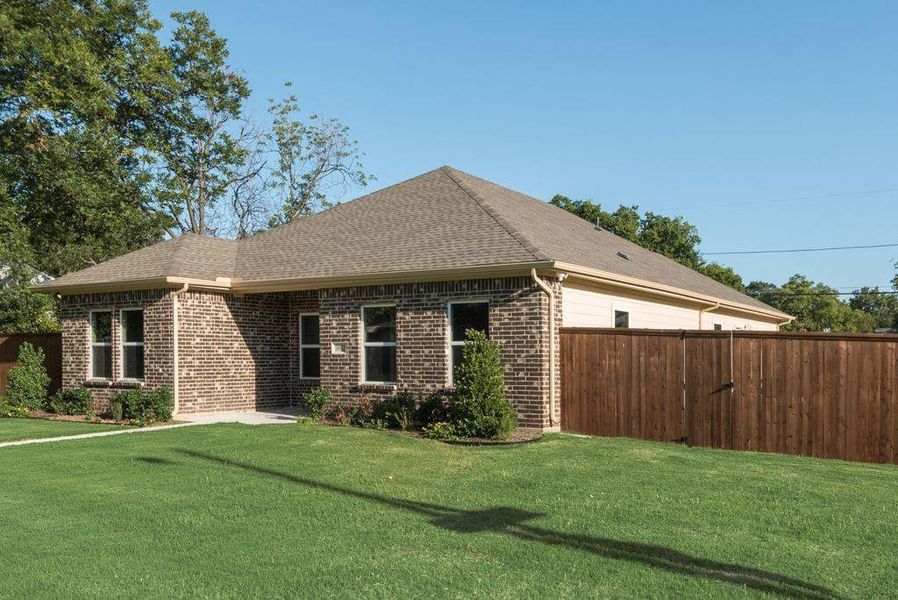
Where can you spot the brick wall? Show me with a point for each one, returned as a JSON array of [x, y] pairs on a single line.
[[234, 352], [243, 352], [158, 357], [518, 322]]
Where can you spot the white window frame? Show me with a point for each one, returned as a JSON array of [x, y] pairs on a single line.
[[365, 345], [616, 308], [91, 343], [450, 376], [122, 343], [307, 346]]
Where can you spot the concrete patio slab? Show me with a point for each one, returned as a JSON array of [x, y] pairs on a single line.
[[265, 416]]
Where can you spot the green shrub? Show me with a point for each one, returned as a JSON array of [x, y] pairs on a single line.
[[315, 402], [435, 408], [479, 407], [440, 431], [396, 411], [142, 407], [28, 382], [8, 410], [71, 402]]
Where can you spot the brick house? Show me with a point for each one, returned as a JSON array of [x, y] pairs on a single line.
[[373, 296]]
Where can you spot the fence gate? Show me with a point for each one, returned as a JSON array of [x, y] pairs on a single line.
[[824, 395]]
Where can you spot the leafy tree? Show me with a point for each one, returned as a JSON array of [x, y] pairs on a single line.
[[80, 86], [815, 306], [205, 142], [313, 157], [723, 274], [480, 408], [883, 308]]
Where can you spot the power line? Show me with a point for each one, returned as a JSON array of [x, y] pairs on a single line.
[[781, 293], [780, 201], [793, 250]]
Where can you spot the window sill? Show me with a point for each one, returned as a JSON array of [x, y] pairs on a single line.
[[129, 383], [97, 383], [376, 387]]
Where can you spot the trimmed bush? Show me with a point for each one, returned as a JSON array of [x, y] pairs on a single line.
[[396, 411], [8, 410], [440, 431], [315, 402], [435, 408], [480, 408], [71, 402], [28, 382], [142, 407]]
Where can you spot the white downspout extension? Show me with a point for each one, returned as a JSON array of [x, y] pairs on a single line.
[[174, 312], [551, 296], [701, 313]]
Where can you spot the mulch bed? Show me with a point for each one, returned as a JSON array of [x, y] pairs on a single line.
[[48, 416], [521, 435]]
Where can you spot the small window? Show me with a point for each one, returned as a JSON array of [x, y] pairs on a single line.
[[462, 317], [309, 347], [718, 327], [621, 318], [132, 343], [101, 344], [379, 343]]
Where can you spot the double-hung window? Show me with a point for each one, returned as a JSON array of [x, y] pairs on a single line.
[[309, 347], [132, 343], [462, 317], [101, 344], [379, 344]]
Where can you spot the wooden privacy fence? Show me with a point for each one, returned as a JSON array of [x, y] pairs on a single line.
[[826, 395], [9, 354]]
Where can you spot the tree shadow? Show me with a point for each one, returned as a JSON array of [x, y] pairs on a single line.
[[155, 460], [513, 522]]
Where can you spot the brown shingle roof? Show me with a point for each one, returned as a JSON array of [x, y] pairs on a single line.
[[443, 220]]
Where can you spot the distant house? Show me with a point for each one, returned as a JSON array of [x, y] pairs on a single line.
[[375, 296], [7, 281]]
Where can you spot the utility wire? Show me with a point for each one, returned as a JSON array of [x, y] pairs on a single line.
[[793, 250]]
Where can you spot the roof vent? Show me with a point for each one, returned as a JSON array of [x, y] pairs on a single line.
[[623, 256], [598, 227]]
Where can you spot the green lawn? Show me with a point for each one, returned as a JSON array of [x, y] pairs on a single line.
[[303, 510], [26, 429]]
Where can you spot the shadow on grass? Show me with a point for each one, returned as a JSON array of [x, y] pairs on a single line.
[[513, 522], [155, 460]]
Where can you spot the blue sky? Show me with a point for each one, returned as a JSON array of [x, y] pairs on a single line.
[[766, 124]]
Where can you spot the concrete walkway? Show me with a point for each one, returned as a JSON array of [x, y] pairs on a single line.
[[84, 436], [273, 416]]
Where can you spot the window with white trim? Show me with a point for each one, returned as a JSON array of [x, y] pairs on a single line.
[[463, 316], [132, 343], [621, 318], [101, 344], [309, 347], [379, 344]]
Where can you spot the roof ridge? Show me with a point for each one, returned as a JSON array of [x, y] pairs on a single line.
[[516, 235]]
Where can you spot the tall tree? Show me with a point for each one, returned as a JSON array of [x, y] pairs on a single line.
[[206, 140], [313, 158], [815, 306], [882, 307], [81, 82]]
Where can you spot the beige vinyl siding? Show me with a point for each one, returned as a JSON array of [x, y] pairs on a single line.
[[587, 306]]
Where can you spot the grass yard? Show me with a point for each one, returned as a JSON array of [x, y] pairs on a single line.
[[274, 511], [25, 429]]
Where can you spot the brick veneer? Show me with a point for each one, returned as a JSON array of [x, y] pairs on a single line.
[[158, 357], [238, 352]]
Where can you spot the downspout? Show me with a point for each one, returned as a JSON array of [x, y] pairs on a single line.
[[174, 312], [778, 325], [551, 295], [701, 313]]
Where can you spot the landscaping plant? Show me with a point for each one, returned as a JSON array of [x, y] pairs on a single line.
[[315, 402], [28, 382], [479, 407], [76, 401], [397, 411], [142, 407]]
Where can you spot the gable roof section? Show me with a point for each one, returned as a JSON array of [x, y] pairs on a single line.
[[444, 221]]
